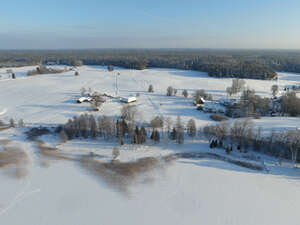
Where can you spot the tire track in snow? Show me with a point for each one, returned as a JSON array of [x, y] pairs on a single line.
[[24, 193], [143, 84]]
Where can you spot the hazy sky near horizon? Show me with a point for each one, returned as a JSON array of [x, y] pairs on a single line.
[[40, 24]]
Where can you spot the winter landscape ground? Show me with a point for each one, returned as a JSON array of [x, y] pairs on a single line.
[[69, 187]]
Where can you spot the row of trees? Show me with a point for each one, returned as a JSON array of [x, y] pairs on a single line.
[[222, 63], [44, 70], [171, 91], [241, 134], [251, 104], [236, 87], [290, 104], [13, 123], [109, 128], [244, 136]]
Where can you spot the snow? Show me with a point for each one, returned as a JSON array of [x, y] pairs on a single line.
[[186, 191], [48, 99], [2, 112], [277, 123]]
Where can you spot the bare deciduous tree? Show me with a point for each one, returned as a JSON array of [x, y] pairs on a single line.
[[185, 93], [242, 131], [209, 132], [168, 122], [157, 122], [20, 123], [274, 90], [293, 143], [12, 123], [63, 136], [115, 153], [110, 68], [179, 130], [107, 127], [129, 112], [76, 63], [96, 101], [229, 91], [82, 91], [201, 94], [93, 126], [236, 86], [222, 130], [170, 91], [175, 91], [191, 128]]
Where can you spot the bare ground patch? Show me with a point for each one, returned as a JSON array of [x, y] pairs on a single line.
[[118, 175], [49, 152], [3, 128], [121, 175], [16, 160], [4, 141]]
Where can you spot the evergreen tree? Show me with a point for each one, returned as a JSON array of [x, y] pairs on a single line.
[[156, 136], [150, 88], [180, 136], [137, 135], [12, 123], [173, 134], [185, 93], [93, 126], [143, 135]]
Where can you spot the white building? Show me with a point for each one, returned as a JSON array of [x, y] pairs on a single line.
[[128, 99], [84, 99]]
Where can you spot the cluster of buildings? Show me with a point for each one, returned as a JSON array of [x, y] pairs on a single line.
[[104, 97], [211, 106]]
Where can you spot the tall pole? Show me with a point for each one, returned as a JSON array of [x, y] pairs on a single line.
[[116, 85]]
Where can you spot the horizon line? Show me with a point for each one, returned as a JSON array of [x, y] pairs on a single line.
[[146, 48]]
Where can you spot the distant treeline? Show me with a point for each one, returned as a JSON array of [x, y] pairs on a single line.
[[256, 64]]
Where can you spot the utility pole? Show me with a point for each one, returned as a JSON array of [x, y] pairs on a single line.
[[116, 84]]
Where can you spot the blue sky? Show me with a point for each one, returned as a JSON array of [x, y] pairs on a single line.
[[39, 24]]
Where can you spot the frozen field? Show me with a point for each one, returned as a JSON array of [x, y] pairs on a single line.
[[184, 191]]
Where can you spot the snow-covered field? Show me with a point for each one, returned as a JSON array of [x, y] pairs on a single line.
[[185, 191], [51, 98]]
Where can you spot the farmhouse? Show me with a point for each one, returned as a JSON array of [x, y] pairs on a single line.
[[213, 107], [228, 102]]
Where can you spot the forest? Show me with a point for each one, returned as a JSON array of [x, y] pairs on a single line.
[[253, 64]]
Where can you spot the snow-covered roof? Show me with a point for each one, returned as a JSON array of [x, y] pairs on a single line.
[[128, 99]]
